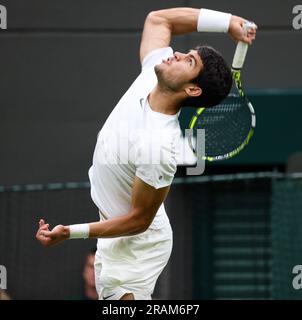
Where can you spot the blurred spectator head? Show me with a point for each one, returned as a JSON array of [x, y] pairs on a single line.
[[88, 276]]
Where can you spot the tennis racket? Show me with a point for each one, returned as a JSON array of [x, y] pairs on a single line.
[[230, 125]]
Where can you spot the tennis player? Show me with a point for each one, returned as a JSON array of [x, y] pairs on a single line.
[[127, 184]]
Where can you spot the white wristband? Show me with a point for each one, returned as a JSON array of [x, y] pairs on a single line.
[[79, 231], [213, 21]]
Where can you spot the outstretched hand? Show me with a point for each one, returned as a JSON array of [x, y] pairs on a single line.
[[237, 32], [51, 237]]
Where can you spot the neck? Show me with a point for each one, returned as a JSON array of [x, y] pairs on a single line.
[[165, 101]]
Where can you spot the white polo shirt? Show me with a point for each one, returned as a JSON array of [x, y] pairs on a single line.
[[135, 141]]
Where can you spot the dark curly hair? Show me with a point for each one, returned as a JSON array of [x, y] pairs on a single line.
[[215, 79]]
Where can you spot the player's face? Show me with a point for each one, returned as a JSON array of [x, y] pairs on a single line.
[[179, 70]]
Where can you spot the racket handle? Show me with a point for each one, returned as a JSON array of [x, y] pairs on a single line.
[[241, 49]]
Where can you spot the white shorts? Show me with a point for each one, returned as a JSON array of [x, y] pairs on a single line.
[[132, 264]]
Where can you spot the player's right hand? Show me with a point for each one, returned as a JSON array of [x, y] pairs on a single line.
[[237, 31]]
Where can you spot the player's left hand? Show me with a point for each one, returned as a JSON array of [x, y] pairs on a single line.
[[237, 32], [50, 238]]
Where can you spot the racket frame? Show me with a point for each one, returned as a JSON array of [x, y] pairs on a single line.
[[237, 64]]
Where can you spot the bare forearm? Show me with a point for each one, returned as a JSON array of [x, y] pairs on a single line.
[[144, 204], [178, 20], [127, 225], [162, 24], [117, 227]]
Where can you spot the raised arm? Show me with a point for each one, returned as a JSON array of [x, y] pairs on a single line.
[[161, 25], [145, 202]]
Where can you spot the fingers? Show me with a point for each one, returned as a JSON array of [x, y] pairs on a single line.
[[251, 34], [45, 233], [44, 240], [43, 225], [248, 40], [250, 37]]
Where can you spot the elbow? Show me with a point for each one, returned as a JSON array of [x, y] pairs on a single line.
[[142, 227], [145, 227], [155, 17], [141, 224]]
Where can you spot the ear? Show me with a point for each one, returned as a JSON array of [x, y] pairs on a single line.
[[193, 91]]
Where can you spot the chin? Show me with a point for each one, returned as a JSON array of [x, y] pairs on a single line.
[[158, 68], [158, 71], [162, 77]]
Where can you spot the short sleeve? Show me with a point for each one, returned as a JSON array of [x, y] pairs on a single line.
[[160, 172], [156, 56]]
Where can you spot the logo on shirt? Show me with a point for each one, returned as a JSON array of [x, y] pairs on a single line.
[[107, 297], [141, 102]]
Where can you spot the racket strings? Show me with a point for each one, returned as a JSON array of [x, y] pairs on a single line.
[[226, 126]]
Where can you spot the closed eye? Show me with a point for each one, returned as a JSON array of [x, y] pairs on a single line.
[[192, 60]]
